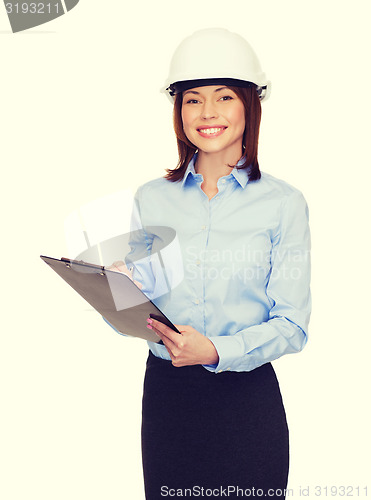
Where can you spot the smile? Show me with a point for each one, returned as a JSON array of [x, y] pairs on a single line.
[[211, 131]]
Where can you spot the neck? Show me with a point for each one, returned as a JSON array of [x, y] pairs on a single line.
[[212, 166]]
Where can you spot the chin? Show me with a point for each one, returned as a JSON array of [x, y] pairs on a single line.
[[209, 148], [213, 149]]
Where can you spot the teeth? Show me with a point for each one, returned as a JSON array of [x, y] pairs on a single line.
[[210, 130]]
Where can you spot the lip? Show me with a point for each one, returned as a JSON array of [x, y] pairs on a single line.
[[214, 134]]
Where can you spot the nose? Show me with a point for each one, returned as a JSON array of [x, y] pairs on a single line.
[[209, 111]]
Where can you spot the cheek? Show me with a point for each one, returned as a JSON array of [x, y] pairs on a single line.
[[239, 117], [186, 118]]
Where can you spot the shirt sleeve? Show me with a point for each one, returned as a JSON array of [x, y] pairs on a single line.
[[144, 256], [288, 290], [149, 254], [138, 257]]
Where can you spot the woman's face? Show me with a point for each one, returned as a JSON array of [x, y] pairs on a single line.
[[213, 119]]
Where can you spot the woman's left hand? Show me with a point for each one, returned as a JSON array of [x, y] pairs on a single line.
[[189, 348]]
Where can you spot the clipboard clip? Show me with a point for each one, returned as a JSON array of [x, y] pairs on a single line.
[[70, 262]]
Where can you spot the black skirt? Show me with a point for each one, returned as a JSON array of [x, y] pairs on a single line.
[[207, 434]]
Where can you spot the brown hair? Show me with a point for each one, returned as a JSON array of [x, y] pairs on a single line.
[[186, 149]]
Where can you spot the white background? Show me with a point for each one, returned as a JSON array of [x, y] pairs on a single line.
[[82, 117]]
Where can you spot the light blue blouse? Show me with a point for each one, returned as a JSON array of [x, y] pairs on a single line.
[[237, 268]]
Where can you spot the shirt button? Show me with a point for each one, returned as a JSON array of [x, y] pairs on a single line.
[[223, 181], [228, 368], [203, 227], [196, 301], [198, 262], [220, 371]]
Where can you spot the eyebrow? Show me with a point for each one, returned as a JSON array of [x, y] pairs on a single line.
[[197, 93]]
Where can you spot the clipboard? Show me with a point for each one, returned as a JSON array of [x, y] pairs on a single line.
[[113, 294]]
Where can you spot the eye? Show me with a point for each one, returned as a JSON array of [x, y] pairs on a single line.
[[226, 98], [191, 101]]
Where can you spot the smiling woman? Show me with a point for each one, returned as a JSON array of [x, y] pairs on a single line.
[[249, 98], [213, 415], [214, 120]]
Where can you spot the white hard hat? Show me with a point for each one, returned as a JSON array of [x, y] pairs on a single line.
[[215, 56]]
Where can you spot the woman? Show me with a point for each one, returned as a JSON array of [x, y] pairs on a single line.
[[213, 419]]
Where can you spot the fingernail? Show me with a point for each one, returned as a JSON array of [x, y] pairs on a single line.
[[149, 320], [149, 326]]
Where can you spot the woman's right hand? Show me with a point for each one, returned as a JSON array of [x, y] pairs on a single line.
[[120, 267]]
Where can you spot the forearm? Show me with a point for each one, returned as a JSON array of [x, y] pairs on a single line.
[[257, 345]]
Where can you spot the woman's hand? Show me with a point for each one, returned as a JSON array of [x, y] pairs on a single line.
[[120, 267], [189, 348]]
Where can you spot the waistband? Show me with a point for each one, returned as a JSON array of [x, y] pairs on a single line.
[[166, 368]]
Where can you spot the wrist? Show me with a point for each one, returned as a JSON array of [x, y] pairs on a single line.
[[212, 357]]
